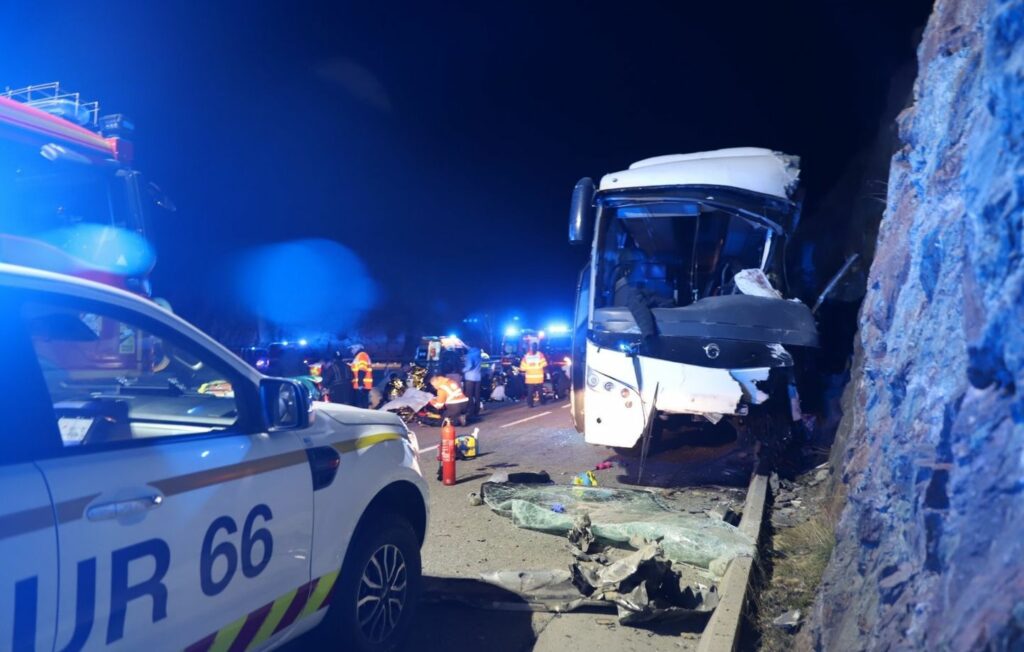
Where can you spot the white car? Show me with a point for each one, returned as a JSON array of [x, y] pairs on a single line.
[[159, 494]]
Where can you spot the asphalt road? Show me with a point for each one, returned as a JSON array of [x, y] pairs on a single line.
[[464, 540]]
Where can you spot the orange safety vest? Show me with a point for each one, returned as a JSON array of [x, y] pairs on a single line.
[[448, 392], [362, 363], [533, 365]]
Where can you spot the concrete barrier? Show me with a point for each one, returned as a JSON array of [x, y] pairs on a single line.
[[722, 631]]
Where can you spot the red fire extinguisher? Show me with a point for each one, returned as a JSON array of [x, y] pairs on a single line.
[[447, 453]]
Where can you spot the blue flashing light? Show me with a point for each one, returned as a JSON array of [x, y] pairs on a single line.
[[284, 343], [558, 329], [303, 342], [511, 331], [452, 335]]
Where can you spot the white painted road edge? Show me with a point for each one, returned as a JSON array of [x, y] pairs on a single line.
[[536, 416], [428, 449]]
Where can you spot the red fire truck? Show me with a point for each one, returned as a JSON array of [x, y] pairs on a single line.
[[70, 200]]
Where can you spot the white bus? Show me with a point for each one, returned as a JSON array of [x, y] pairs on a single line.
[[681, 319]]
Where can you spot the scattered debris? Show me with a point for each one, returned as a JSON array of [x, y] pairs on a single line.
[[724, 514], [603, 465], [585, 479], [520, 477], [475, 500], [755, 283], [621, 518], [789, 621], [643, 586], [581, 539]]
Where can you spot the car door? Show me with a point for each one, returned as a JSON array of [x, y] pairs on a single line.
[[28, 536], [184, 524]]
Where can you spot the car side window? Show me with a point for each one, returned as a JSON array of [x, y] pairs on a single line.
[[111, 380]]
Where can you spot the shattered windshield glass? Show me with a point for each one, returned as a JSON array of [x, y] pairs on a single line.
[[675, 251]]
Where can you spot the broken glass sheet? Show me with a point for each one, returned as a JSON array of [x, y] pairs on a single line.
[[619, 516]]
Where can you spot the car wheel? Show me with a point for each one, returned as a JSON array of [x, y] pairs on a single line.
[[379, 586]]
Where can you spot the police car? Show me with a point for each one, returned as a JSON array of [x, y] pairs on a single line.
[[158, 493]]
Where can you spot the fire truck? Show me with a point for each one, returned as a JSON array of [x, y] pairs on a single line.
[[72, 202]]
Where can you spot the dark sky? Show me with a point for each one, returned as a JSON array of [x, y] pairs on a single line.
[[427, 137]]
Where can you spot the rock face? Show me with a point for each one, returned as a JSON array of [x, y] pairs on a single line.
[[930, 545]]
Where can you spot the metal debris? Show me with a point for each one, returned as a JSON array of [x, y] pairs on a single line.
[[789, 621]]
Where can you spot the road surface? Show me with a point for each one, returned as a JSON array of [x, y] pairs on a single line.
[[464, 540]]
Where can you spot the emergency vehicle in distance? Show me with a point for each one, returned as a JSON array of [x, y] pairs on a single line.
[[555, 342], [72, 202], [678, 321], [162, 494]]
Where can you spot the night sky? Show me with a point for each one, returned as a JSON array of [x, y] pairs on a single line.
[[441, 144]]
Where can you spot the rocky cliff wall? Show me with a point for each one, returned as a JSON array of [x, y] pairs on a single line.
[[930, 545]]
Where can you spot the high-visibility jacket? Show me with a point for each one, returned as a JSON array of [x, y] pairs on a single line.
[[448, 392], [361, 363], [533, 365]]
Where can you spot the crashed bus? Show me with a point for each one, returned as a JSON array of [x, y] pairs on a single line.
[[681, 321]]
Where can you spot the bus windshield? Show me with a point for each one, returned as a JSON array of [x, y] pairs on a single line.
[[674, 251]]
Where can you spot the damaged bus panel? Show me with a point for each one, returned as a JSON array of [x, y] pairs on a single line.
[[681, 315]]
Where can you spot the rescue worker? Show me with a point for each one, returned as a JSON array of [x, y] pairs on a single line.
[[471, 373], [362, 375], [450, 401], [337, 379], [533, 365]]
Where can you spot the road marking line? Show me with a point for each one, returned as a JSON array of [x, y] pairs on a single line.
[[567, 405], [428, 449], [536, 416]]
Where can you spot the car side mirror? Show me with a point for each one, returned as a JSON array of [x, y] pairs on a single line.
[[286, 404], [581, 212]]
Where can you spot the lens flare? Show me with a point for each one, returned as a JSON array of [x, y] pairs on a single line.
[[306, 284]]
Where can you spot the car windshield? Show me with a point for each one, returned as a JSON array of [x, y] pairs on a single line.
[[674, 251], [48, 187]]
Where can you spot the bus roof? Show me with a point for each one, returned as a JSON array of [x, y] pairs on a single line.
[[748, 168], [47, 126]]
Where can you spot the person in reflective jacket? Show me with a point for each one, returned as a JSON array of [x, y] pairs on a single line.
[[450, 401], [362, 375], [533, 366]]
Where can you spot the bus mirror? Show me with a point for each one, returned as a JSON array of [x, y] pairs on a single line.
[[581, 214]]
